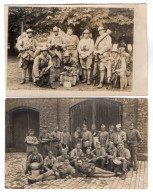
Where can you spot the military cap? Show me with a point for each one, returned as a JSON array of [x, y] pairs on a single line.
[[29, 31], [66, 54], [44, 49], [118, 126], [114, 49], [109, 31], [55, 29], [86, 31], [101, 28]]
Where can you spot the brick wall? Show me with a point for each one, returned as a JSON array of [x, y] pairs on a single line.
[[56, 111]]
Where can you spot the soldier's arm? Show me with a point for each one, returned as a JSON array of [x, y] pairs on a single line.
[[90, 139], [91, 50], [124, 136], [108, 45], [19, 45], [127, 155], [41, 160], [138, 136]]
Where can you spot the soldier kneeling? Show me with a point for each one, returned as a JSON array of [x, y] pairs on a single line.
[[43, 69]]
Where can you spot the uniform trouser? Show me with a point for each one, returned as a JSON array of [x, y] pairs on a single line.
[[133, 151], [100, 162], [123, 79], [57, 66], [45, 148], [103, 173], [103, 65], [28, 168], [122, 167], [27, 65], [45, 175]]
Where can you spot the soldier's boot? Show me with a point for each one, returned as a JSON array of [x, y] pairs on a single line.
[[102, 74], [123, 176], [23, 76], [88, 76], [30, 74], [85, 76]]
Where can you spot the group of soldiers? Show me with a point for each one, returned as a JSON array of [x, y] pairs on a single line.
[[46, 62], [95, 153]]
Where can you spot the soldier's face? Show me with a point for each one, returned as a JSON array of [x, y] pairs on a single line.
[[69, 31], [55, 33], [111, 129], [31, 133], [114, 54], [101, 32], [30, 34], [88, 151], [120, 146], [79, 162], [103, 128], [50, 154], [118, 129], [86, 35], [66, 162], [132, 126], [78, 146], [110, 144]]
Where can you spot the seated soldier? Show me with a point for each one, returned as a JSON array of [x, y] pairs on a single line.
[[75, 154], [61, 159], [43, 69], [70, 65], [88, 156], [63, 170], [99, 156], [35, 157], [90, 170], [30, 141], [123, 155], [49, 161], [112, 153]]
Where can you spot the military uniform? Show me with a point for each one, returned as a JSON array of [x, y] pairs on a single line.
[[66, 138], [30, 142], [43, 70], [86, 140], [26, 46], [49, 162], [121, 136], [56, 137], [133, 137], [45, 145], [57, 42], [102, 49], [113, 137], [103, 138], [75, 154], [100, 155], [112, 153], [70, 44]]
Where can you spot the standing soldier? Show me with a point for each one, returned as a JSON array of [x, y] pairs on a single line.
[[85, 49], [112, 135], [103, 136], [56, 137], [66, 137], [43, 70], [121, 135], [44, 139], [71, 42], [102, 47], [27, 46], [133, 137], [55, 43], [86, 138]]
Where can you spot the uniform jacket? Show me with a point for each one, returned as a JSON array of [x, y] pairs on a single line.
[[30, 141], [75, 153], [133, 137], [86, 46], [104, 45], [124, 153], [71, 42], [66, 138], [121, 136], [56, 40], [99, 152], [86, 168], [87, 136], [30, 45], [57, 135], [113, 137], [66, 170], [41, 63], [112, 151], [103, 138], [49, 161]]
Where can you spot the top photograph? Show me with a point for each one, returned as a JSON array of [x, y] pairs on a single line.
[[76, 50]]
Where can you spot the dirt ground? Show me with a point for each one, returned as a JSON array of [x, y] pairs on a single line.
[[14, 78], [16, 179]]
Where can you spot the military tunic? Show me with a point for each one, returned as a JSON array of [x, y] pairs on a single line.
[[103, 138], [30, 142]]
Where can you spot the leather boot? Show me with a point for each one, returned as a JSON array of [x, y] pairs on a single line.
[[52, 86], [85, 76], [23, 81], [88, 76]]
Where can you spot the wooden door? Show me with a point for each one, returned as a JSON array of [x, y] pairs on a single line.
[[23, 120], [98, 111]]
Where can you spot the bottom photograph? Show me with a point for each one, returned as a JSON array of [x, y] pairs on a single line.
[[73, 143]]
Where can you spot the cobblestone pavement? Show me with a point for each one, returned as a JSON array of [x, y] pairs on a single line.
[[14, 78], [15, 178]]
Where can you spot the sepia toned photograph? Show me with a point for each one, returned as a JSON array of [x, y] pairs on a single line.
[[73, 143], [75, 50]]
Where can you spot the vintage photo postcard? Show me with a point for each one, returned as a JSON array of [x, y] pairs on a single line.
[[76, 50], [76, 143]]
